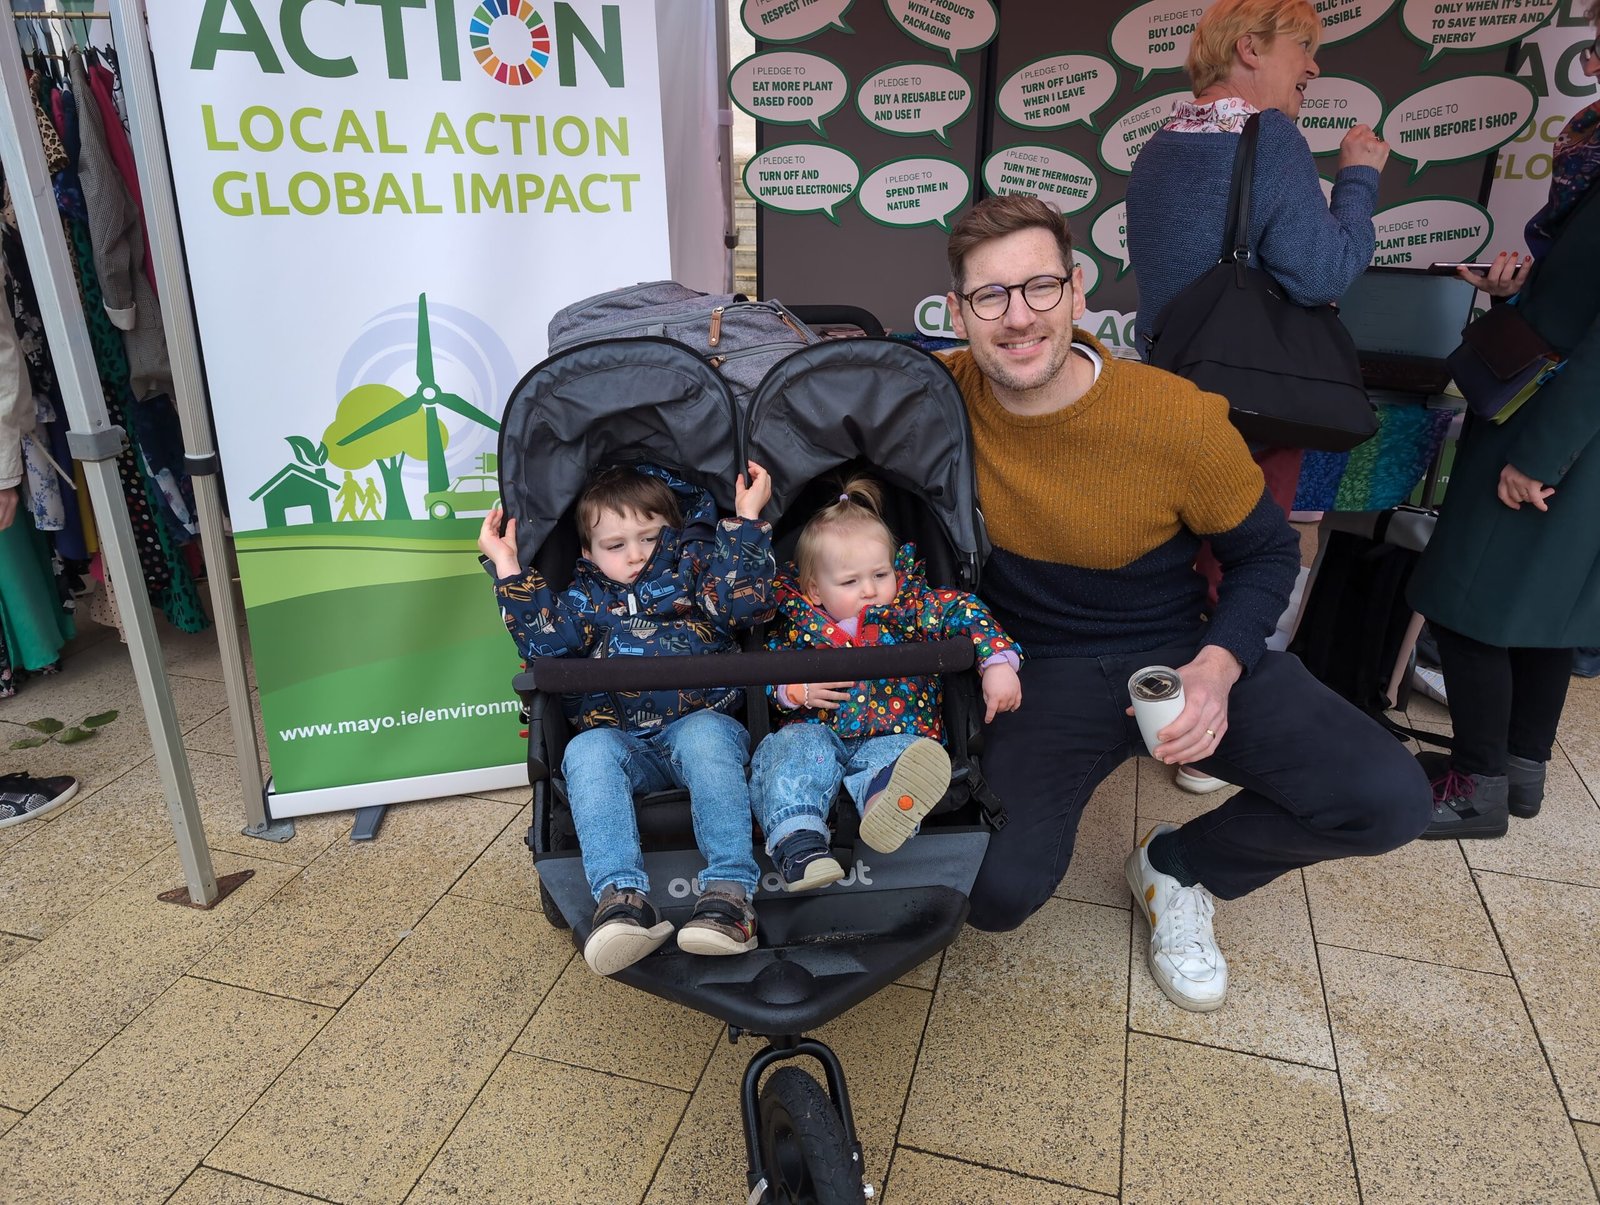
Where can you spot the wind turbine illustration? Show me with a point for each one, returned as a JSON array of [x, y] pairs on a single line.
[[428, 395]]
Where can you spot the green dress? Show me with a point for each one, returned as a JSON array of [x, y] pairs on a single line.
[[1526, 578], [34, 625]]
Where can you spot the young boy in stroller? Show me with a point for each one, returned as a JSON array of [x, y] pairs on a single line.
[[658, 576], [851, 585]]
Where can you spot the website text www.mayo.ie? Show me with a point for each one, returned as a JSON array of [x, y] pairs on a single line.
[[377, 723]]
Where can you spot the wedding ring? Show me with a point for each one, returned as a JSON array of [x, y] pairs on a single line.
[[1212, 733]]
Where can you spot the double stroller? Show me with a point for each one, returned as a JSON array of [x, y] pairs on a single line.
[[831, 407]]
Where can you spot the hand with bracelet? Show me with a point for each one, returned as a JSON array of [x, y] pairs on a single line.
[[821, 696]]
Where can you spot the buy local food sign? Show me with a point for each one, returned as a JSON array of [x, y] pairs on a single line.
[[383, 202]]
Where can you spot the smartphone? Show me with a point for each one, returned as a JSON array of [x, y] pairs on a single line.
[[1450, 269]]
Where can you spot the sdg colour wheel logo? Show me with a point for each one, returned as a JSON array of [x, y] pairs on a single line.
[[510, 41]]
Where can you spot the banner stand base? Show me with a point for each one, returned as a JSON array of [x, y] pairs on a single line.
[[272, 830], [368, 821], [269, 829], [375, 796]]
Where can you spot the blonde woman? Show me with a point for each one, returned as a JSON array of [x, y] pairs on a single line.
[[1249, 56]]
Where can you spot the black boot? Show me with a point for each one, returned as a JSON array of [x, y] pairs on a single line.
[[1525, 785], [1464, 805]]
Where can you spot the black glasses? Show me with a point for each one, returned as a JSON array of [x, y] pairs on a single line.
[[1592, 49], [1041, 293]]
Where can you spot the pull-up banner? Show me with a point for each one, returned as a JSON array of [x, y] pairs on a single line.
[[382, 205]]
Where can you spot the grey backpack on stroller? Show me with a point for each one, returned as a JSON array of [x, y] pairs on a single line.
[[740, 338]]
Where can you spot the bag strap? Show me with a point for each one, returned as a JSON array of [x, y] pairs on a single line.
[[1236, 230]]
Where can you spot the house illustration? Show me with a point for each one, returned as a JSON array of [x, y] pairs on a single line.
[[296, 486]]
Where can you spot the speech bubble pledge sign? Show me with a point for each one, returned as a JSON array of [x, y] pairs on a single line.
[[1458, 119], [1125, 137], [1344, 19], [1154, 36], [909, 99], [952, 26], [922, 191], [1042, 171], [788, 88], [793, 20], [1430, 230], [1062, 90], [1333, 106], [802, 177], [1460, 25], [1109, 234]]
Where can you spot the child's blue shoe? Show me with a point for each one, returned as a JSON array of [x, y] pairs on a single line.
[[804, 861], [902, 793]]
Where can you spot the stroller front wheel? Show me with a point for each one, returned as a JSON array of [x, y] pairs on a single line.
[[803, 1144]]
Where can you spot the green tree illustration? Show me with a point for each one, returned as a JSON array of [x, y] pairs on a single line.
[[386, 447]]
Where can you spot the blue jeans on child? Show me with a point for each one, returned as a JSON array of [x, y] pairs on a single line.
[[797, 771], [704, 752]]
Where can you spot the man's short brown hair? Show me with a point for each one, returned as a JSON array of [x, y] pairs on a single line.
[[624, 490], [996, 217]]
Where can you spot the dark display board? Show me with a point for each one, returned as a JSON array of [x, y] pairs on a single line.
[[1059, 99]]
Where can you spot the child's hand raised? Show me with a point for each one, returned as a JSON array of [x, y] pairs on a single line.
[[500, 549], [1002, 690], [748, 499]]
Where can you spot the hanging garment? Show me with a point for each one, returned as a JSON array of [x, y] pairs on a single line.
[[8, 683], [157, 562], [118, 246], [104, 85], [176, 593], [18, 416], [55, 151], [30, 604], [71, 541], [46, 501]]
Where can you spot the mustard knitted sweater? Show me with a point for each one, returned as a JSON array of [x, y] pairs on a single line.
[[1096, 512]]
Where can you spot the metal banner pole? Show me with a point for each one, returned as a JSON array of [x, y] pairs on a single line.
[[95, 442], [177, 314]]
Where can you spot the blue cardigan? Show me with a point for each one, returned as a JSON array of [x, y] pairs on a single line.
[[1178, 202]]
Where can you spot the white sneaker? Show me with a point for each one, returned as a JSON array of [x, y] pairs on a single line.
[[1183, 956], [1187, 778]]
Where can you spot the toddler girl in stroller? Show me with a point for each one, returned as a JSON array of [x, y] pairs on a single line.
[[851, 586]]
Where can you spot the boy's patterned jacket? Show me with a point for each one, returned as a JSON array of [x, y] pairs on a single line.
[[917, 613], [703, 583]]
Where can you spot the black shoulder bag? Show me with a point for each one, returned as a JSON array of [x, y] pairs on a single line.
[[1290, 372]]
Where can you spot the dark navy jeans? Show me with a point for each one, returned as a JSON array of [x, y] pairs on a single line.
[[1319, 779]]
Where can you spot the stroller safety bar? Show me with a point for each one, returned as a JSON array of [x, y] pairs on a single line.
[[588, 675]]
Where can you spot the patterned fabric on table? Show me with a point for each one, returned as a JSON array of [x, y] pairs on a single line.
[[1381, 472]]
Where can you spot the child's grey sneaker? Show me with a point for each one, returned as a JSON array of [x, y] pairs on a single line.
[[723, 923], [626, 928], [23, 797], [902, 793], [804, 861]]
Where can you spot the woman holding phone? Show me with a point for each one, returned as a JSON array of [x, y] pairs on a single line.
[[1510, 581]]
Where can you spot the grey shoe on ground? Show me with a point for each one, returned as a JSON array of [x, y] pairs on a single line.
[[1464, 805], [1525, 783]]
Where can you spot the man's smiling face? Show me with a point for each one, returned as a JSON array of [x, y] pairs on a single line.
[[1022, 350]]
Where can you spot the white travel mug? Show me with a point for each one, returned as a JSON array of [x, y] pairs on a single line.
[[1157, 694]]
